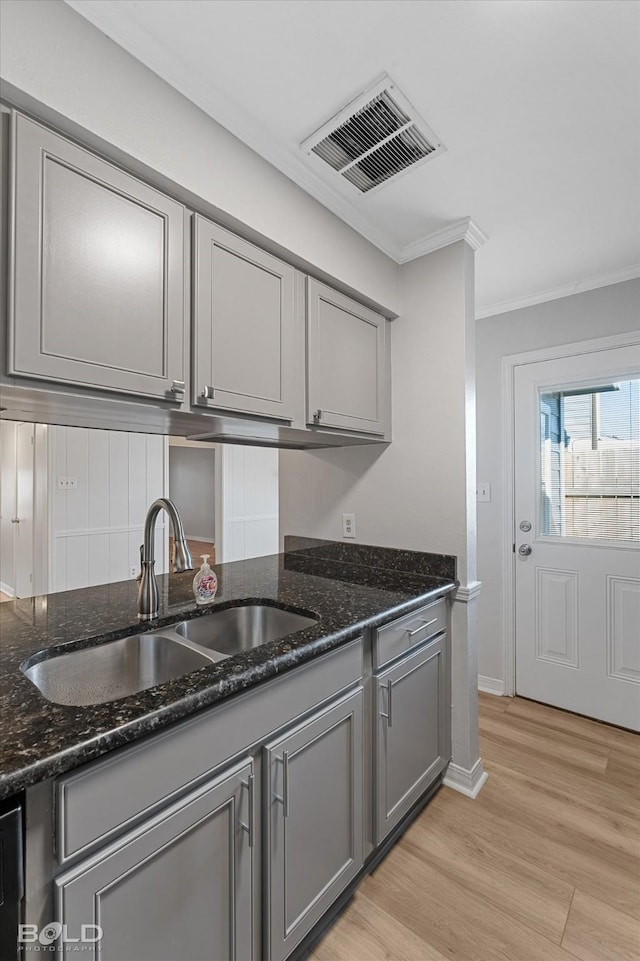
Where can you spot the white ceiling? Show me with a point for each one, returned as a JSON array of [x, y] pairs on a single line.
[[537, 102]]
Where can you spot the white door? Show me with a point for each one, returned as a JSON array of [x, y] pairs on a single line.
[[25, 459], [577, 533]]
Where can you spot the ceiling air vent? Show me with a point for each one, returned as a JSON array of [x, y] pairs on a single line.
[[376, 137]]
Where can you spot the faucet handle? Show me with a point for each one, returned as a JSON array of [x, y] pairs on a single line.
[[139, 577]]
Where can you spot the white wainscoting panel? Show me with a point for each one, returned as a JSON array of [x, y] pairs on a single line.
[[97, 527], [250, 516]]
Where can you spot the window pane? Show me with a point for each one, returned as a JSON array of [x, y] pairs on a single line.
[[590, 462]]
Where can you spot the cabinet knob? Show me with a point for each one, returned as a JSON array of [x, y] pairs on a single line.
[[317, 416], [178, 388], [208, 393]]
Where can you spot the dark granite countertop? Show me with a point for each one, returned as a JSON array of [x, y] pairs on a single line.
[[345, 587]]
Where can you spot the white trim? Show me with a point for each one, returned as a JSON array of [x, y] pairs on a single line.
[[491, 685], [464, 229], [509, 364], [467, 593], [466, 782], [90, 531], [631, 272], [6, 589]]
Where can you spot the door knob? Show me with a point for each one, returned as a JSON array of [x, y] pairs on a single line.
[[524, 550], [15, 520]]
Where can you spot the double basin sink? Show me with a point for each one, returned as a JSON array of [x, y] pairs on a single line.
[[115, 669]]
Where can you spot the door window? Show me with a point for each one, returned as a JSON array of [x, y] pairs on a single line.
[[590, 462]]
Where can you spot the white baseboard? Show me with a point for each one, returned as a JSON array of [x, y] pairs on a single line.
[[466, 782], [6, 589], [490, 685]]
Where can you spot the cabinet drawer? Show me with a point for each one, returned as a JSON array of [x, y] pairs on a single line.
[[110, 795], [392, 640]]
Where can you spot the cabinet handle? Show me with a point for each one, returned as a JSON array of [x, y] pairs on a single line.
[[389, 714], [284, 800], [208, 393], [249, 828], [422, 626], [178, 388], [317, 416]]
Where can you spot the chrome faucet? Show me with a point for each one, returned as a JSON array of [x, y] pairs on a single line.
[[148, 598]]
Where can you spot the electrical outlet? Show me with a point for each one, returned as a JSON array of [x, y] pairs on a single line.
[[483, 492], [67, 483], [348, 525], [133, 571]]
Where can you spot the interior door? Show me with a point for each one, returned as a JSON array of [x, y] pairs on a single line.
[[577, 533]]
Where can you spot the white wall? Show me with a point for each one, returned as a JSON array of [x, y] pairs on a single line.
[[7, 505], [596, 313], [248, 503], [192, 489], [51, 53], [97, 529]]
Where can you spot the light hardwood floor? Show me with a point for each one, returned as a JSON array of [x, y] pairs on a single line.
[[197, 548], [543, 866]]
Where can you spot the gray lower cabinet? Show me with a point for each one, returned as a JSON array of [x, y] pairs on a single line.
[[347, 383], [179, 887], [243, 304], [98, 272], [411, 731], [314, 820]]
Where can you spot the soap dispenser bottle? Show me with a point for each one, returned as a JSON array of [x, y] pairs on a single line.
[[205, 583]]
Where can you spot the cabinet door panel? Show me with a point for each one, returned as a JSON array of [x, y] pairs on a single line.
[[315, 840], [99, 278], [180, 887], [411, 731], [345, 362], [244, 315]]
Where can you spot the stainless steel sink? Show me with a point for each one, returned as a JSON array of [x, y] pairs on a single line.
[[109, 671], [238, 629]]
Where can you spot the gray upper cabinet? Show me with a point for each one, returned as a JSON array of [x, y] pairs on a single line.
[[411, 732], [243, 302], [179, 887], [314, 820], [346, 364], [98, 292]]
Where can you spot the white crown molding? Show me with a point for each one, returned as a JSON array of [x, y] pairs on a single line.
[[630, 272], [467, 782], [464, 229], [468, 592]]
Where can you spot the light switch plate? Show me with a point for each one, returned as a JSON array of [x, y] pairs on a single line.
[[67, 483], [483, 492]]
